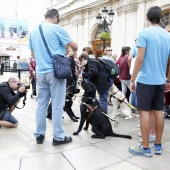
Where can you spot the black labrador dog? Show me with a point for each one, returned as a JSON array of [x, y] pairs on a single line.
[[92, 113], [70, 92]]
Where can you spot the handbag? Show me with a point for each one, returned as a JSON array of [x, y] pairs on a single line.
[[61, 64]]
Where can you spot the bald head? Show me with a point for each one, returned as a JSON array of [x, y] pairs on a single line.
[[13, 79], [13, 83]]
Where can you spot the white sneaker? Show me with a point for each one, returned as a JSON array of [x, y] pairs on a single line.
[[140, 134], [151, 139]]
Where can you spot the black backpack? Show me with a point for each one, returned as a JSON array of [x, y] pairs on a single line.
[[111, 68]]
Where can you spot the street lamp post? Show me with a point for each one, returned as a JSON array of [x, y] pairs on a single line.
[[103, 23]]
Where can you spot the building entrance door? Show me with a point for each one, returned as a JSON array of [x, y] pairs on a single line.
[[97, 46]]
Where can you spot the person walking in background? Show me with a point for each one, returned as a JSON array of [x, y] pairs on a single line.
[[18, 62], [2, 67], [32, 66], [150, 69], [14, 65], [49, 86], [24, 64], [124, 74]]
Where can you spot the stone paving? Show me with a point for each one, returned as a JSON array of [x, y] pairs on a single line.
[[19, 151]]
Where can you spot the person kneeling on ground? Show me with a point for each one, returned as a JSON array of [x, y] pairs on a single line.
[[7, 100]]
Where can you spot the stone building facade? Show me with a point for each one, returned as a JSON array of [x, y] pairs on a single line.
[[78, 17]]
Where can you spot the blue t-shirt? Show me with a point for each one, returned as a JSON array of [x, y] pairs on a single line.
[[134, 51], [56, 37], [156, 42]]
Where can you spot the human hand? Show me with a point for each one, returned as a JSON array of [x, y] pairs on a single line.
[[132, 87], [167, 86], [21, 89]]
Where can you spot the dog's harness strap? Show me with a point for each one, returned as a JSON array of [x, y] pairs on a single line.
[[92, 109]]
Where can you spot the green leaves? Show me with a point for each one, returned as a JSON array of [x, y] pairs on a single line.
[[104, 36]]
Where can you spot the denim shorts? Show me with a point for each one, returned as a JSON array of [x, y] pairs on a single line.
[[150, 97], [9, 118]]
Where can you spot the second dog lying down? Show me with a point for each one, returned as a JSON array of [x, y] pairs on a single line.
[[92, 113]]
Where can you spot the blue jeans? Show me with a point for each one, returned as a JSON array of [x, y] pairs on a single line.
[[133, 99], [103, 100], [49, 86]]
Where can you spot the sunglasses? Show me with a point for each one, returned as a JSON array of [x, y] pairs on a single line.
[[109, 50]]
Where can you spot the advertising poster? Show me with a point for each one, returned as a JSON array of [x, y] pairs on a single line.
[[13, 29]]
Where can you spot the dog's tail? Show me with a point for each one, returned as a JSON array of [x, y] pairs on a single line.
[[121, 136]]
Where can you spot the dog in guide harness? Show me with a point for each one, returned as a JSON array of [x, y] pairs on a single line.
[[71, 91], [92, 113], [120, 104]]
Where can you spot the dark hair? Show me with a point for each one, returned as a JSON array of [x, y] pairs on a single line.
[[51, 13], [154, 14], [83, 56], [89, 50], [124, 50]]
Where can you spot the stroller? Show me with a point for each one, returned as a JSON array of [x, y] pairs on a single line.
[[166, 109]]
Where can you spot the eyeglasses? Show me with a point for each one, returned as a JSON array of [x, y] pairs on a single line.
[[109, 50], [57, 18]]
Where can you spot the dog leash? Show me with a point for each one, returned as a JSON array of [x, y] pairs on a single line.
[[122, 101], [96, 108]]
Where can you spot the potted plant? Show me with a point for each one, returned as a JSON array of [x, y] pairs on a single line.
[[104, 36]]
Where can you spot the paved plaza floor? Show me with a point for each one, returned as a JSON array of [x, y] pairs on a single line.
[[19, 151]]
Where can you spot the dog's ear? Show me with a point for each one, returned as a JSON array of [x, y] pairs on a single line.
[[91, 88]]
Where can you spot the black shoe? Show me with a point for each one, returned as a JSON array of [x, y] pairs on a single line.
[[66, 140], [40, 139]]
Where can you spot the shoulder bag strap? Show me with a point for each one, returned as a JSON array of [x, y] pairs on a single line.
[[44, 41]]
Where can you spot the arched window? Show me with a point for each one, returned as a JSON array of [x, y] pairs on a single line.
[[165, 20], [99, 31]]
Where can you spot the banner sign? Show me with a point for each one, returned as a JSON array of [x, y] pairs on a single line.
[[13, 29]]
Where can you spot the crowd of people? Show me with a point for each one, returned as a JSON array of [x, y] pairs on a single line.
[[142, 77]]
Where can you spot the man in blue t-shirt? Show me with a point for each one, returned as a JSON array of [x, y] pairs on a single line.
[[49, 86], [150, 68]]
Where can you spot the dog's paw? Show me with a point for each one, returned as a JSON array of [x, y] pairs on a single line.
[[76, 117], [85, 128], [75, 133], [74, 120], [127, 118]]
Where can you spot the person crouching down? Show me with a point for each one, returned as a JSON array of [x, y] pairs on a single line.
[[7, 100]]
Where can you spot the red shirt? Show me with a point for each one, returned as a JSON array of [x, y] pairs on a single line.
[[124, 68]]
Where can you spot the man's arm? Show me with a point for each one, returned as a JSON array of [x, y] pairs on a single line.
[[73, 45], [138, 63]]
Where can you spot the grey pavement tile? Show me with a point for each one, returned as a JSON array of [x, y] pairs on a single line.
[[117, 146], [90, 158], [10, 164], [76, 143], [22, 150], [48, 162], [11, 137], [166, 146], [124, 165], [157, 162]]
